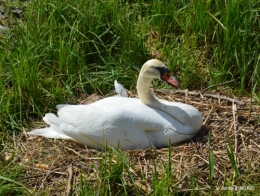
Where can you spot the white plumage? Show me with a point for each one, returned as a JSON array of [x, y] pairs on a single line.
[[129, 123], [120, 90]]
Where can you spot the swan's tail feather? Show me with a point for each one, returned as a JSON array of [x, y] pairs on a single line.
[[48, 133], [54, 131], [121, 91], [50, 119]]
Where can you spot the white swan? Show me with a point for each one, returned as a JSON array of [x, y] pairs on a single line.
[[128, 123]]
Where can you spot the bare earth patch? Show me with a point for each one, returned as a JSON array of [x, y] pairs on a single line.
[[60, 166]]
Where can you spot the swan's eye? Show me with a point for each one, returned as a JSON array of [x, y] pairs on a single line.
[[167, 69], [163, 70]]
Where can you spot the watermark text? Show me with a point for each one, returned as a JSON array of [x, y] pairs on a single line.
[[236, 188]]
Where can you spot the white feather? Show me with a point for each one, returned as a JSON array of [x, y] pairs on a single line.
[[121, 91], [49, 133], [50, 119]]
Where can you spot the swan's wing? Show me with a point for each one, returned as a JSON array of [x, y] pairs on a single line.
[[121, 91]]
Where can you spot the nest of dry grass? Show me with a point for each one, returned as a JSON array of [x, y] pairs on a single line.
[[59, 166]]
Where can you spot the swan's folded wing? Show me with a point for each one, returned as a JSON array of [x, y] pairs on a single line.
[[80, 136]]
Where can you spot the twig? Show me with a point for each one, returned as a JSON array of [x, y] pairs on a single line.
[[85, 158], [34, 176], [41, 175], [241, 127], [70, 181], [221, 84], [75, 152], [198, 93], [180, 181], [224, 98], [255, 143], [205, 121]]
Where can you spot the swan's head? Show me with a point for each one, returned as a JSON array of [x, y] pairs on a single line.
[[156, 69]]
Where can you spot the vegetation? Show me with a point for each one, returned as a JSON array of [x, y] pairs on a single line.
[[62, 49], [57, 51]]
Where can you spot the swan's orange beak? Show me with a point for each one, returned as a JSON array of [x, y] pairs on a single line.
[[170, 80]]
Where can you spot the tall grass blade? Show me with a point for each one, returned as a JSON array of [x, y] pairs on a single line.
[[231, 156], [211, 161]]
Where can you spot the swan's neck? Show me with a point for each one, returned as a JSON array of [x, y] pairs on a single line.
[[144, 92], [146, 97]]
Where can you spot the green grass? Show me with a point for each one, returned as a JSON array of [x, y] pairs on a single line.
[[60, 50], [10, 174]]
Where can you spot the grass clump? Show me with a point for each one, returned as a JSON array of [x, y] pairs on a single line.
[[63, 49], [10, 172], [59, 50]]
